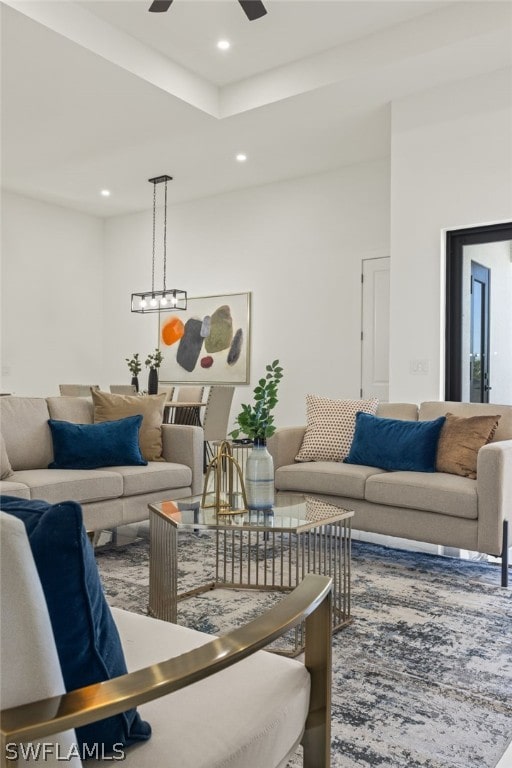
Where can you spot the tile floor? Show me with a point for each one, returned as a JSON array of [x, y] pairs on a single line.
[[506, 760]]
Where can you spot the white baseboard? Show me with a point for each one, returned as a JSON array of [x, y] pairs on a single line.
[[420, 546], [397, 543]]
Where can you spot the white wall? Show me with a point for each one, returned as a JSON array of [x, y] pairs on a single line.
[[451, 167], [52, 297], [296, 246]]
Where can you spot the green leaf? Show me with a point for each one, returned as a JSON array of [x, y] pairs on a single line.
[[256, 420]]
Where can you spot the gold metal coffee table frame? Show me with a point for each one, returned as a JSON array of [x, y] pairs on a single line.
[[258, 551]]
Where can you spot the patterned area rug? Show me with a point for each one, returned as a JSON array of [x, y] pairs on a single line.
[[421, 679]]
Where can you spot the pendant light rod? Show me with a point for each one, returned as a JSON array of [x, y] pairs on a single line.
[[165, 236], [168, 298], [154, 240]]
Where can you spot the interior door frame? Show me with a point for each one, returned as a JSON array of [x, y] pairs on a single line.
[[368, 335], [456, 239]]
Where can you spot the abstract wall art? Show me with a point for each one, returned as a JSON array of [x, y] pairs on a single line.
[[208, 343]]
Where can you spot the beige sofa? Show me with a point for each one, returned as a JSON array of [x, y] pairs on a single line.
[[438, 508], [109, 497]]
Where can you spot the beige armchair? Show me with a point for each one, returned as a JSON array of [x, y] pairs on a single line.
[[220, 701]]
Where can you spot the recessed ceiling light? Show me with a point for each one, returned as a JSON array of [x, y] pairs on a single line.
[[241, 157], [223, 45], [105, 192]]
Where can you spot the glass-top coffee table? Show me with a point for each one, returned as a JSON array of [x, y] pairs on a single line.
[[254, 550]]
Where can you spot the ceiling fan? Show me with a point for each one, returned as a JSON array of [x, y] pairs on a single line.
[[253, 9]]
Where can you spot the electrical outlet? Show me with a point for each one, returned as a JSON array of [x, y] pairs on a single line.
[[418, 367]]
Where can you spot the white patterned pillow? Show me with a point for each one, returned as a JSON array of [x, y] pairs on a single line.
[[330, 427]]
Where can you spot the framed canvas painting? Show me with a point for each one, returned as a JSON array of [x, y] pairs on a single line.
[[208, 343]]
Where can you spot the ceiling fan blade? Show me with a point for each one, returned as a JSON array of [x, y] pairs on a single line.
[[253, 9], [159, 6]]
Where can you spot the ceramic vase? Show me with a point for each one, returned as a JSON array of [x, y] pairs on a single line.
[[135, 383], [259, 477], [153, 381]]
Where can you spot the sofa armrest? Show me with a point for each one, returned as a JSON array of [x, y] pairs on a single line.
[[184, 444], [494, 489], [285, 444]]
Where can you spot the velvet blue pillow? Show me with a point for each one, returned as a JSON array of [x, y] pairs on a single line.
[[89, 446], [394, 444], [86, 636]]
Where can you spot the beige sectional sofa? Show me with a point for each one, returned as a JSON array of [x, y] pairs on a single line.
[[439, 508], [109, 497]]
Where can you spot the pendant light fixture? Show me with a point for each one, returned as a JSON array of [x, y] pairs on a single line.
[[167, 298]]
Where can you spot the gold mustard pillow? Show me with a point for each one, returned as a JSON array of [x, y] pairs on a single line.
[[460, 440], [330, 427], [108, 407]]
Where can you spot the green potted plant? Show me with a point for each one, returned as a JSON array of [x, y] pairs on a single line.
[[153, 362], [257, 422], [135, 367]]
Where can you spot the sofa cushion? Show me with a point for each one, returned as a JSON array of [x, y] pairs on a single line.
[[260, 704], [408, 411], [395, 444], [12, 488], [89, 446], [26, 432], [79, 410], [85, 634], [82, 485], [108, 407], [5, 464], [330, 427], [460, 441], [329, 477], [433, 409], [156, 476], [432, 492]]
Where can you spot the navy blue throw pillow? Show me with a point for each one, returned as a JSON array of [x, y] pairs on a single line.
[[90, 446], [394, 444], [86, 636]]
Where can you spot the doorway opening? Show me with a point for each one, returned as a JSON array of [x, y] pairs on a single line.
[[478, 331], [479, 372]]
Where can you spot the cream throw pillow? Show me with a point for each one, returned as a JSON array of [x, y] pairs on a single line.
[[108, 407], [330, 427], [460, 440], [5, 464]]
